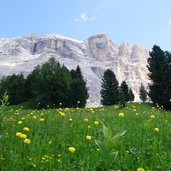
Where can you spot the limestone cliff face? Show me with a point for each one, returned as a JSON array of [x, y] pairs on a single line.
[[94, 55]]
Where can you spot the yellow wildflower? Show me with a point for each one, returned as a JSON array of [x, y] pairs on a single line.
[[96, 123], [71, 149], [23, 136], [85, 119], [27, 141], [34, 117], [140, 169], [62, 113], [156, 129], [152, 116], [20, 122], [88, 137], [26, 129], [121, 115], [42, 119], [18, 134]]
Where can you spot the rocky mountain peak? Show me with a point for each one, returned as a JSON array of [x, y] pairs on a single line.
[[94, 56]]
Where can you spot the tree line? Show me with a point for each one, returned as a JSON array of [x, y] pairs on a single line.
[[159, 90], [48, 85], [112, 93], [53, 85]]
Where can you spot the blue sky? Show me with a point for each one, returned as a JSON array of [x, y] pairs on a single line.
[[135, 21]]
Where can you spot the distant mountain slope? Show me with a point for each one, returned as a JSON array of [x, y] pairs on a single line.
[[94, 56]]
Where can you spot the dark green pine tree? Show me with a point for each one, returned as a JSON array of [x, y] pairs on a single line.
[[131, 95], [15, 87], [167, 92], [157, 66], [122, 100], [125, 90], [78, 93], [50, 85], [110, 89], [142, 93]]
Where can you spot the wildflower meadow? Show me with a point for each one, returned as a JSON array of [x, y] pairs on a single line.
[[134, 138]]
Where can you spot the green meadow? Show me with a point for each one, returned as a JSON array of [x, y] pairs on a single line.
[[134, 138]]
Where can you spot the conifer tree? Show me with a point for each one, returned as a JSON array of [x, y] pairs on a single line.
[[50, 85], [159, 74], [131, 95], [167, 92], [143, 93], [110, 89], [78, 94], [125, 90], [122, 100]]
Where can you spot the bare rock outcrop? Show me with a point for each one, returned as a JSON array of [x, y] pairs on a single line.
[[94, 56]]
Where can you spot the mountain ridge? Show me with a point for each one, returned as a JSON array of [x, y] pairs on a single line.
[[94, 55]]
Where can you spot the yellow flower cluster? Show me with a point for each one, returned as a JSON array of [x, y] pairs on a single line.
[[24, 136], [62, 114], [20, 135], [46, 158]]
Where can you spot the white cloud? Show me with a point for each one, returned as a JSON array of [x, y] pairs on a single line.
[[84, 18]]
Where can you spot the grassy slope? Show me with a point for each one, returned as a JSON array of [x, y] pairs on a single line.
[[141, 146]]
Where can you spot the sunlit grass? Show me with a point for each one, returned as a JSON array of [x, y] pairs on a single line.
[[64, 139]]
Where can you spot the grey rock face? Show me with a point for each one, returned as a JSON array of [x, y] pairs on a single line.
[[94, 56]]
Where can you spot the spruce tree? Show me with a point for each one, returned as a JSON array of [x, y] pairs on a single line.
[[167, 92], [125, 90], [78, 93], [110, 89], [157, 66], [50, 85], [131, 95], [122, 100], [143, 93]]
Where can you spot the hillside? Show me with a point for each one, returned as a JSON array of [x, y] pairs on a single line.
[[66, 139]]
